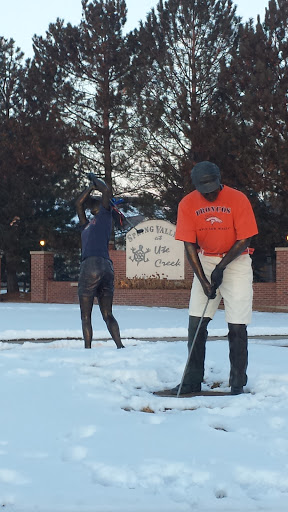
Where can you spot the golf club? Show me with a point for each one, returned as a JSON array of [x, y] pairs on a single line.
[[191, 349]]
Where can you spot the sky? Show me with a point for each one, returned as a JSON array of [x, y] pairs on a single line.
[[21, 19], [82, 431]]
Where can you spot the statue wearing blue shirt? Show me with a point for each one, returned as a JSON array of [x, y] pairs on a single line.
[[96, 278]]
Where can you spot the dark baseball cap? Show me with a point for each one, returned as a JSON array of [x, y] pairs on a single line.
[[206, 177]]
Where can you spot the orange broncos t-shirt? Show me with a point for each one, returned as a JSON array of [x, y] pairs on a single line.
[[215, 226]]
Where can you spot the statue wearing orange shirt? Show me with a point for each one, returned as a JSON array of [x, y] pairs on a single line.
[[216, 224]]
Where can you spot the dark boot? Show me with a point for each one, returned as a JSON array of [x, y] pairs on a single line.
[[195, 368], [238, 347]]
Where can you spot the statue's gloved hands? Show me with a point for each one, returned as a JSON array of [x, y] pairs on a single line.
[[217, 277], [96, 181], [209, 290], [92, 177]]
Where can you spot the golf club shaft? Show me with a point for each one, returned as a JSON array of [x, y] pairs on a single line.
[[191, 349]]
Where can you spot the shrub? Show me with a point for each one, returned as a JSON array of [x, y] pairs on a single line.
[[152, 283]]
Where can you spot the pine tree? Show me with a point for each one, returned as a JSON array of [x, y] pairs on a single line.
[[11, 76], [36, 163], [254, 91], [95, 59], [275, 131], [178, 53]]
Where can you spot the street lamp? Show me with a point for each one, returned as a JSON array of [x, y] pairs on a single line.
[[42, 243]]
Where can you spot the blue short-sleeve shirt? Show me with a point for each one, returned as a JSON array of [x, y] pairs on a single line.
[[95, 235]]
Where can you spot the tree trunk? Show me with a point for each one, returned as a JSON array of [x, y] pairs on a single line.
[[12, 281]]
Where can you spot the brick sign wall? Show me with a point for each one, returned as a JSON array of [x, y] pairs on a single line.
[[267, 296]]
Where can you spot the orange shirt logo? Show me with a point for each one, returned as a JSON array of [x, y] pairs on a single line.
[[213, 219]]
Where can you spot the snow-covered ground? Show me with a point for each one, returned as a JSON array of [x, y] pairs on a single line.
[[81, 430]]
